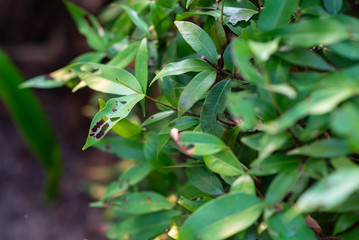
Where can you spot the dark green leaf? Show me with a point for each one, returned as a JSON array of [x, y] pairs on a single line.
[[123, 148], [242, 109], [159, 19], [333, 6], [305, 58], [196, 88], [276, 13], [204, 180], [273, 164], [143, 226], [236, 15], [309, 33], [347, 49], [181, 124], [326, 148], [222, 217], [289, 225], [192, 205], [157, 117], [345, 221], [214, 104], [198, 39], [140, 202], [218, 35]]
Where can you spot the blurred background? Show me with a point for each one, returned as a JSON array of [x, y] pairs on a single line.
[[40, 37]]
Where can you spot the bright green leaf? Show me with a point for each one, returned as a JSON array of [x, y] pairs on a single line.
[[224, 163]]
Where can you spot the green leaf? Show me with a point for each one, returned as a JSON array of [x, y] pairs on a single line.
[[204, 180], [201, 144], [326, 148], [224, 163], [198, 39], [289, 225], [178, 68], [102, 78], [181, 124], [347, 49], [276, 13], [321, 101], [125, 57], [94, 33], [222, 217], [309, 33], [115, 110], [242, 55], [157, 117], [136, 19], [244, 184], [263, 50], [143, 226], [214, 104], [243, 109], [316, 125], [273, 164], [42, 81], [266, 144], [130, 177], [331, 191], [333, 6], [305, 58], [345, 221], [195, 89], [159, 19], [128, 130], [218, 35], [344, 122], [192, 205], [140, 202], [141, 67], [122, 147], [282, 184], [169, 91], [236, 14], [26, 111], [167, 3]]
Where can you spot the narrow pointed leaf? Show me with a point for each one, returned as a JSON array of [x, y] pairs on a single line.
[[178, 68], [204, 180], [224, 163], [276, 13], [157, 117], [136, 19], [184, 123], [125, 57], [195, 90], [140, 202], [198, 39], [115, 110], [214, 104], [333, 6], [141, 67]]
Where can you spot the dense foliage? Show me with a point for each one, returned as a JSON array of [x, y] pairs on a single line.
[[238, 119]]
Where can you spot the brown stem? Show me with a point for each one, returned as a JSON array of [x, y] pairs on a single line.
[[220, 70]]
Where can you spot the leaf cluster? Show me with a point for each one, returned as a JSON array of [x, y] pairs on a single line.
[[249, 122]]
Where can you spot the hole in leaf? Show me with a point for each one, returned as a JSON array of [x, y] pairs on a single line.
[[148, 199], [114, 110], [123, 102], [190, 146], [172, 124], [97, 126], [114, 119], [102, 131], [126, 199]]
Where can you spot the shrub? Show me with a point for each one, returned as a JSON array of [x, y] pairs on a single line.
[[240, 117]]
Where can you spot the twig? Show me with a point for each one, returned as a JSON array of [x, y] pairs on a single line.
[[220, 70]]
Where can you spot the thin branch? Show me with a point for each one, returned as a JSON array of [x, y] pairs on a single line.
[[220, 70]]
